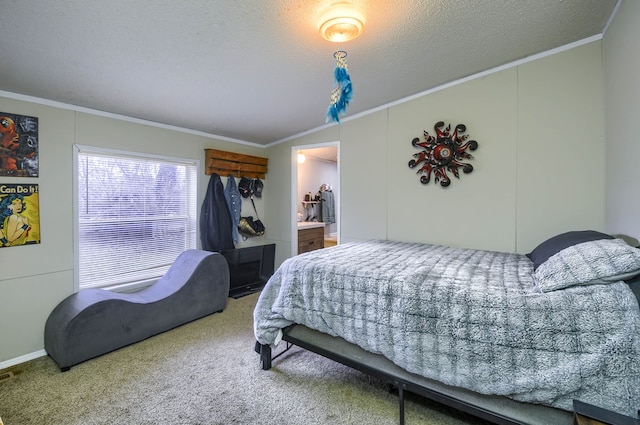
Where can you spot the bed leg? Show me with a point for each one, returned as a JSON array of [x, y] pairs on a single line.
[[265, 355], [401, 399]]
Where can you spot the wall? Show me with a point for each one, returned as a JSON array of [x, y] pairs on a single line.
[[538, 171], [278, 213], [622, 103], [35, 278]]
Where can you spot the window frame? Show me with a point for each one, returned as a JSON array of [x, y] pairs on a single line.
[[86, 149]]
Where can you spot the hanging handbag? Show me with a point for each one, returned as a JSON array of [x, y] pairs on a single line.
[[248, 227]]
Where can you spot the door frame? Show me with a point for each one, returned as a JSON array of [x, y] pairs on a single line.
[[294, 190]]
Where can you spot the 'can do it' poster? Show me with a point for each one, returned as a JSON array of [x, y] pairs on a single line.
[[19, 214]]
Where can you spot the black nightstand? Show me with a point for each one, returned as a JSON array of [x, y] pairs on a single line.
[[587, 414]]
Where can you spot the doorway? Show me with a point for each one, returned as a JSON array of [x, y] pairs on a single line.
[[315, 176]]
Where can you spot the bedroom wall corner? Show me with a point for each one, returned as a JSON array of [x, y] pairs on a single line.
[[277, 217]]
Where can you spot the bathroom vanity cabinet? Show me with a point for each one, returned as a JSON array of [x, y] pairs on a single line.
[[310, 237]]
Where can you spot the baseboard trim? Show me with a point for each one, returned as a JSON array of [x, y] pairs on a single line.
[[22, 359]]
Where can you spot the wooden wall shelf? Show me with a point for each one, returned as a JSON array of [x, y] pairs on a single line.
[[238, 165]]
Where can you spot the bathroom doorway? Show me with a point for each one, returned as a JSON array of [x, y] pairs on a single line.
[[315, 195]]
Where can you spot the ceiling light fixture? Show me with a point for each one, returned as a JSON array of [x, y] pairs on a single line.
[[301, 158], [341, 22]]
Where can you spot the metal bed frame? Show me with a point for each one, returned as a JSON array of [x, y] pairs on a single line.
[[496, 409]]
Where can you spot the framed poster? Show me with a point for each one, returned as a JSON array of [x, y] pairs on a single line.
[[19, 214], [18, 145]]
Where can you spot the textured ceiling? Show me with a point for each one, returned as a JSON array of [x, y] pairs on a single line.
[[257, 70]]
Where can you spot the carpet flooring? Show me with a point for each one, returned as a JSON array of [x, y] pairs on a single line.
[[206, 372]]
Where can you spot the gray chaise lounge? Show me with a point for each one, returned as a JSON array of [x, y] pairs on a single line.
[[93, 322]]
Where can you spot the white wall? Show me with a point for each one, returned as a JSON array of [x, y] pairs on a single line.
[[622, 105], [478, 209], [35, 278], [560, 149], [538, 171]]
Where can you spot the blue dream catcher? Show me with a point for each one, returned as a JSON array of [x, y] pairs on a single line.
[[343, 92]]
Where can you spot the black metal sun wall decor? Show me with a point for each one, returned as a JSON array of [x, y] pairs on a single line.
[[443, 153]]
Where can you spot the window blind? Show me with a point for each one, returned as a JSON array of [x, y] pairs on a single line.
[[135, 215]]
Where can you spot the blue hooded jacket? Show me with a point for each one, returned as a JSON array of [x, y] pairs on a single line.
[[216, 226]]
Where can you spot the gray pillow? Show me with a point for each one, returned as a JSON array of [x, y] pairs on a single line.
[[559, 242], [595, 262]]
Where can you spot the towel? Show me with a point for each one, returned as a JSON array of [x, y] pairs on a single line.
[[328, 207]]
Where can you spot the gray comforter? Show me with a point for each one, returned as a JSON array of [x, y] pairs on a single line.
[[467, 318]]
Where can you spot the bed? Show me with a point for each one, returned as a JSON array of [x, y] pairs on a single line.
[[508, 337]]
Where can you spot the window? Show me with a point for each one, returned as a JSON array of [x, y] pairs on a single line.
[[134, 215]]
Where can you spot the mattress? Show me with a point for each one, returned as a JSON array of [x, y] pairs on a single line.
[[467, 318]]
